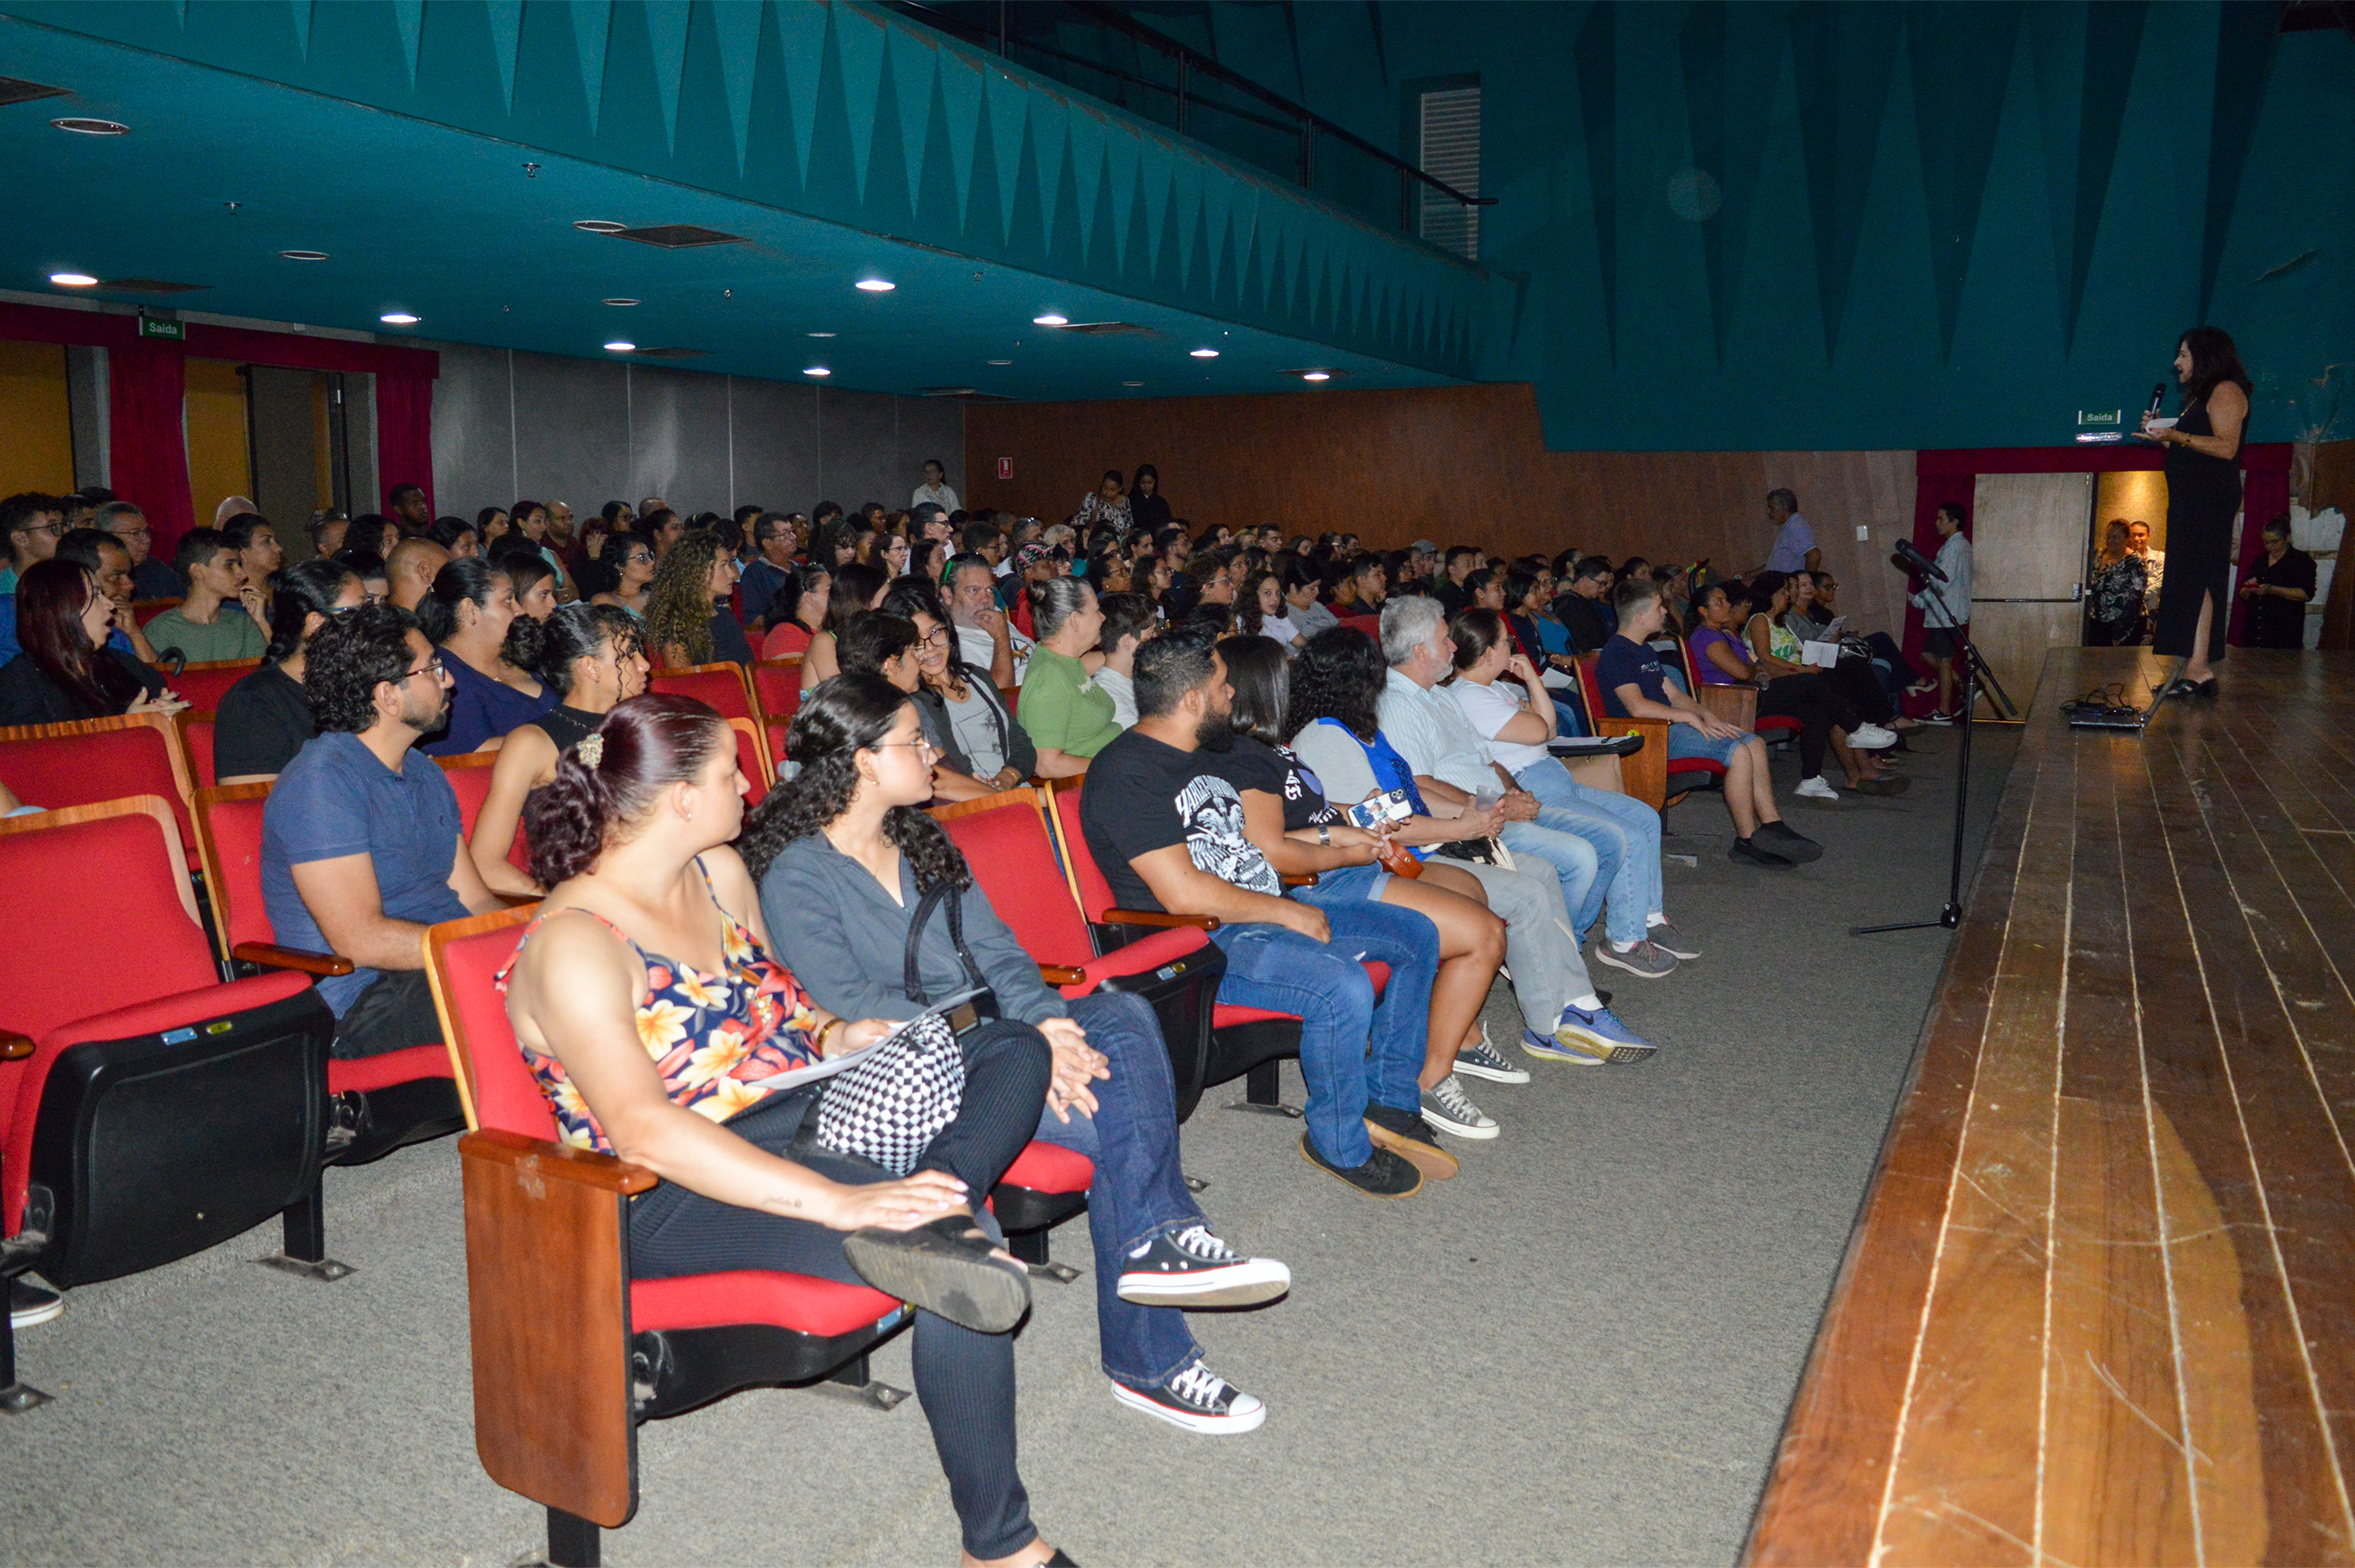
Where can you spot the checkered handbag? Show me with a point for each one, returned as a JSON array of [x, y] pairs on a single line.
[[889, 1107], [892, 1105]]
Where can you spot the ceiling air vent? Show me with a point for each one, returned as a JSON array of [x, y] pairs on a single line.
[[1110, 329], [15, 91], [671, 353], [963, 395], [150, 286], [679, 236]]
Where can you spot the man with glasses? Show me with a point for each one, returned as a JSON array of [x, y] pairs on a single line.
[[31, 523], [361, 848], [150, 578]]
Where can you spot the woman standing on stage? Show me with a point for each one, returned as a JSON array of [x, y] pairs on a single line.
[[2203, 492]]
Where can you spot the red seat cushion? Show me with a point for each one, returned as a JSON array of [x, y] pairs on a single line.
[[795, 1301], [1048, 1168], [1225, 1015], [365, 1072]]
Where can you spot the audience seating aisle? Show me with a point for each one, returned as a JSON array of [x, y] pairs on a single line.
[[561, 1330]]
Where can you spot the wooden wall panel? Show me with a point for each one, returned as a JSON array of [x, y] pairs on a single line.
[[1446, 463], [37, 452]]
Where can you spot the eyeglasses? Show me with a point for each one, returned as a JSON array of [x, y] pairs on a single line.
[[937, 634], [920, 744], [432, 666]]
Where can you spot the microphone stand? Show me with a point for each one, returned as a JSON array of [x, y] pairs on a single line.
[[1951, 915]]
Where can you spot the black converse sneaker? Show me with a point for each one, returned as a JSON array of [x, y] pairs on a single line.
[[1197, 1399], [1195, 1268]]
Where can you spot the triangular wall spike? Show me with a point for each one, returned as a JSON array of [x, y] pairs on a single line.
[[859, 53], [2246, 36], [593, 28], [736, 27], [1009, 113], [667, 23], [959, 81], [1087, 135], [302, 10], [409, 15], [2113, 40], [1962, 56], [914, 62], [1050, 118], [506, 19], [1722, 42], [801, 38], [1841, 56], [1595, 57]]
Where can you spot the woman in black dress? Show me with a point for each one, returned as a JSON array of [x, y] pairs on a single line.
[[2203, 493]]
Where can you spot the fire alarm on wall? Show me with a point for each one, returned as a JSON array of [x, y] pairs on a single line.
[[1006, 468]]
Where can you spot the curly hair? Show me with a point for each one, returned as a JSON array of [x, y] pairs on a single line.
[[357, 652], [678, 601], [1339, 675], [650, 743], [578, 632], [843, 717]]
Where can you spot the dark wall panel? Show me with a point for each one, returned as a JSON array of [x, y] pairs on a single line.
[[776, 430]]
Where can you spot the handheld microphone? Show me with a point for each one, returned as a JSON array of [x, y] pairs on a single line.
[[1913, 556], [2158, 399]]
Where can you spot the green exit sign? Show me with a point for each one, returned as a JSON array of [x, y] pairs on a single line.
[[156, 326], [2096, 418]]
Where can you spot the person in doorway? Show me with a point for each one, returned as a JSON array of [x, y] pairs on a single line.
[[2276, 591], [2114, 597], [2154, 570]]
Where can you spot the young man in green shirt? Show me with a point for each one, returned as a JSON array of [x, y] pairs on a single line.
[[220, 617]]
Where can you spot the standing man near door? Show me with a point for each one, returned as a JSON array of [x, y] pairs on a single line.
[[1947, 609], [1794, 537]]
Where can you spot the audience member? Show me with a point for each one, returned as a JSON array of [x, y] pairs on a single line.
[[408, 509], [857, 589], [1260, 611], [661, 528], [650, 1023], [467, 618], [1795, 538], [1148, 508], [624, 574], [770, 574], [1585, 617], [411, 569], [266, 718], [222, 616], [30, 523], [150, 578], [977, 735], [688, 620], [371, 570], [795, 623], [258, 556], [102, 555], [1302, 583], [1129, 623], [534, 581], [462, 538], [1634, 684], [1450, 590], [2114, 598], [846, 836], [1070, 717], [67, 671], [1787, 687], [592, 657], [1165, 828], [2277, 591]]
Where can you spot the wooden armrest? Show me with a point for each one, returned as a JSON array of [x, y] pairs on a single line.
[[1737, 706], [14, 1047], [1299, 879], [1158, 917], [270, 955], [1062, 974], [1645, 776], [541, 1157]]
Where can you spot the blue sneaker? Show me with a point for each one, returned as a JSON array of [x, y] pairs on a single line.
[[1546, 1048], [1601, 1034]]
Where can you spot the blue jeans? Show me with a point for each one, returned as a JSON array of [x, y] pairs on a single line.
[[1583, 870], [1351, 1050], [1625, 834], [1139, 1192]]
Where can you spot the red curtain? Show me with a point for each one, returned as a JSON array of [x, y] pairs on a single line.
[[148, 443], [404, 434]]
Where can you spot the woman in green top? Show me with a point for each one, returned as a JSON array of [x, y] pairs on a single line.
[[1068, 718]]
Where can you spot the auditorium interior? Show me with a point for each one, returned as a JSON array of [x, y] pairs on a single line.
[[2016, 1229]]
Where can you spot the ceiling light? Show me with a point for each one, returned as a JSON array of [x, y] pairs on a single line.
[[1132, 384], [600, 225], [73, 280], [398, 318], [821, 334], [817, 370], [305, 255], [1204, 353], [92, 127], [618, 347], [1001, 362], [874, 286], [620, 302], [1317, 376], [1051, 319]]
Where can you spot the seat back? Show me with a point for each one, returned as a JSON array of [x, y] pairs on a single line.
[[470, 780], [720, 687], [90, 760], [777, 687], [1371, 625], [1005, 838], [463, 958], [752, 757], [195, 728], [1088, 884], [143, 610], [205, 684], [787, 640], [228, 834]]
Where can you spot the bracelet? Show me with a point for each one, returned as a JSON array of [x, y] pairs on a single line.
[[1324, 835], [828, 1027]]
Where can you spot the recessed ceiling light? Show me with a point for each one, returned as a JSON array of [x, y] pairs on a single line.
[[73, 280], [398, 318], [817, 370], [1132, 384], [620, 302], [874, 286], [92, 127], [1051, 319], [305, 255], [600, 225], [821, 334], [618, 347], [1001, 362], [1317, 376], [1204, 353]]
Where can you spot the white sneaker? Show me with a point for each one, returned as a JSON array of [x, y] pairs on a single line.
[[1871, 738], [1816, 788]]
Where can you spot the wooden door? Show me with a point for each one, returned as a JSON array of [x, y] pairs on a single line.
[[2028, 564]]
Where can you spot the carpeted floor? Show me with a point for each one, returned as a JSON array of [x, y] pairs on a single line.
[[1578, 1352]]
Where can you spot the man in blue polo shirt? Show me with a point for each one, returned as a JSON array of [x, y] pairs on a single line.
[[360, 842]]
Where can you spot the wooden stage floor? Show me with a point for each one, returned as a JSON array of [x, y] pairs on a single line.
[[2099, 1307]]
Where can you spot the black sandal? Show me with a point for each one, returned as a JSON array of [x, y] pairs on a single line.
[[943, 1267]]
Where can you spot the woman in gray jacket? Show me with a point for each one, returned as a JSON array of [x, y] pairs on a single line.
[[847, 865]]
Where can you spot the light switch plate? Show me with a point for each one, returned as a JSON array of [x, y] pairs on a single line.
[[1862, 533]]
